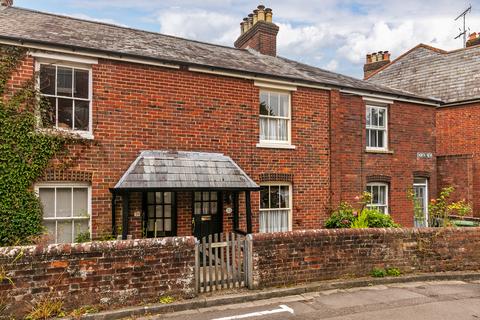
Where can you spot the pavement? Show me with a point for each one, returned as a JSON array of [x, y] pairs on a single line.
[[451, 299]]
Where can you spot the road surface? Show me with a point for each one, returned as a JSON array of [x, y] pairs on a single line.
[[452, 300]]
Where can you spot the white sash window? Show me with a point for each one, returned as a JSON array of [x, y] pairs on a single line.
[[275, 207]]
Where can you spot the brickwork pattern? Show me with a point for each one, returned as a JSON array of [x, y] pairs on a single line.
[[113, 273], [282, 259], [411, 129]]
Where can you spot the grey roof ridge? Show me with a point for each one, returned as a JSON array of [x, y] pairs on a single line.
[[356, 79], [123, 27]]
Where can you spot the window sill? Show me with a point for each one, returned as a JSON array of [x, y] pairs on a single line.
[[73, 134], [379, 151], [275, 145]]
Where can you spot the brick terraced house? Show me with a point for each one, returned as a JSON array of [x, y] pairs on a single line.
[[185, 137], [452, 77]]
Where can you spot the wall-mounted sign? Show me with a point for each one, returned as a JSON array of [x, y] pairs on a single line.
[[424, 155]]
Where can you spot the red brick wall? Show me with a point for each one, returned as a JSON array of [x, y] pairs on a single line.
[[458, 144], [304, 256], [138, 107], [103, 274], [411, 129]]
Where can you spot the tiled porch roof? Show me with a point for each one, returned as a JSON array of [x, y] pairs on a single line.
[[181, 170]]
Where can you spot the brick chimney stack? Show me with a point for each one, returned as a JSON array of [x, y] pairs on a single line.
[[375, 61], [257, 31], [6, 3], [473, 39]]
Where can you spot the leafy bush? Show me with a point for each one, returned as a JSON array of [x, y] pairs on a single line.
[[25, 151], [393, 272], [361, 221], [341, 218], [345, 216], [83, 237], [440, 209], [378, 273], [376, 219]]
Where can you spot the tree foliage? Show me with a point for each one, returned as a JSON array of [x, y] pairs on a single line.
[[25, 152]]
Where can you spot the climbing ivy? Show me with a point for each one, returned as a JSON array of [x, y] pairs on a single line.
[[25, 152]]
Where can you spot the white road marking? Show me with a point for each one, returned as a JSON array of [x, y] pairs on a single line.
[[283, 308]]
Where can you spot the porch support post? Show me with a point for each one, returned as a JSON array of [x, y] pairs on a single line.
[[114, 215], [248, 212], [235, 211], [125, 212]]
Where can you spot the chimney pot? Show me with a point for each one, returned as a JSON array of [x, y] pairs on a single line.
[[6, 3], [369, 58], [268, 15], [261, 13], [261, 37], [375, 61]]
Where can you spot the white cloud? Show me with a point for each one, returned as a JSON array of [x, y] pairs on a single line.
[[332, 65], [200, 25]]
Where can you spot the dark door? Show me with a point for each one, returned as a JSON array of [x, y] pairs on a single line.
[[207, 213]]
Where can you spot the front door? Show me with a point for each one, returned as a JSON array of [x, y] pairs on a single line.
[[207, 213], [420, 191]]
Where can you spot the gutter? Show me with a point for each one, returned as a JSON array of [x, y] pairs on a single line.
[[460, 103], [119, 56]]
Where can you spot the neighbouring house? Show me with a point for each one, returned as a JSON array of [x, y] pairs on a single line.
[[452, 77], [185, 137]]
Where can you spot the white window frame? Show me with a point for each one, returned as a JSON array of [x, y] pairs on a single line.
[[372, 205], [68, 185], [282, 144], [87, 134], [377, 128], [425, 200], [290, 201]]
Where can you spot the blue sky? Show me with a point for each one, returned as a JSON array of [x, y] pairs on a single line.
[[331, 34]]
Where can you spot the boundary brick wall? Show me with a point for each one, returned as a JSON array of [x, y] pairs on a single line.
[[110, 273], [282, 259]]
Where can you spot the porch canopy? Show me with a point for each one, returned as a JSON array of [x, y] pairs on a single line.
[[182, 171]]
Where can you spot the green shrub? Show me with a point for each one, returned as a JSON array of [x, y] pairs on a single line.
[[393, 272], [376, 219], [25, 152], [361, 221], [378, 273], [341, 218], [83, 237]]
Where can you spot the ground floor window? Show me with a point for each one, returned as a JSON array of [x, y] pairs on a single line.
[[379, 192], [275, 207], [160, 214], [66, 211]]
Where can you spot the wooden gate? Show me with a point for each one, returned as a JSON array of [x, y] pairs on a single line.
[[221, 262]]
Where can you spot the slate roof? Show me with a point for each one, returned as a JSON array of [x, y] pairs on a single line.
[[43, 28], [449, 76], [185, 170]]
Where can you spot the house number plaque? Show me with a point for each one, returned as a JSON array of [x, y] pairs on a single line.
[[424, 155]]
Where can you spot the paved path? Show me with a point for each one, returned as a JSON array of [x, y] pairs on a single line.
[[452, 300]]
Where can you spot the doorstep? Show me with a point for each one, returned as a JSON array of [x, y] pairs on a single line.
[[224, 298]]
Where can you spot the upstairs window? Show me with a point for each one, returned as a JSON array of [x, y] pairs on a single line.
[[68, 91], [377, 128], [275, 117], [379, 192]]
